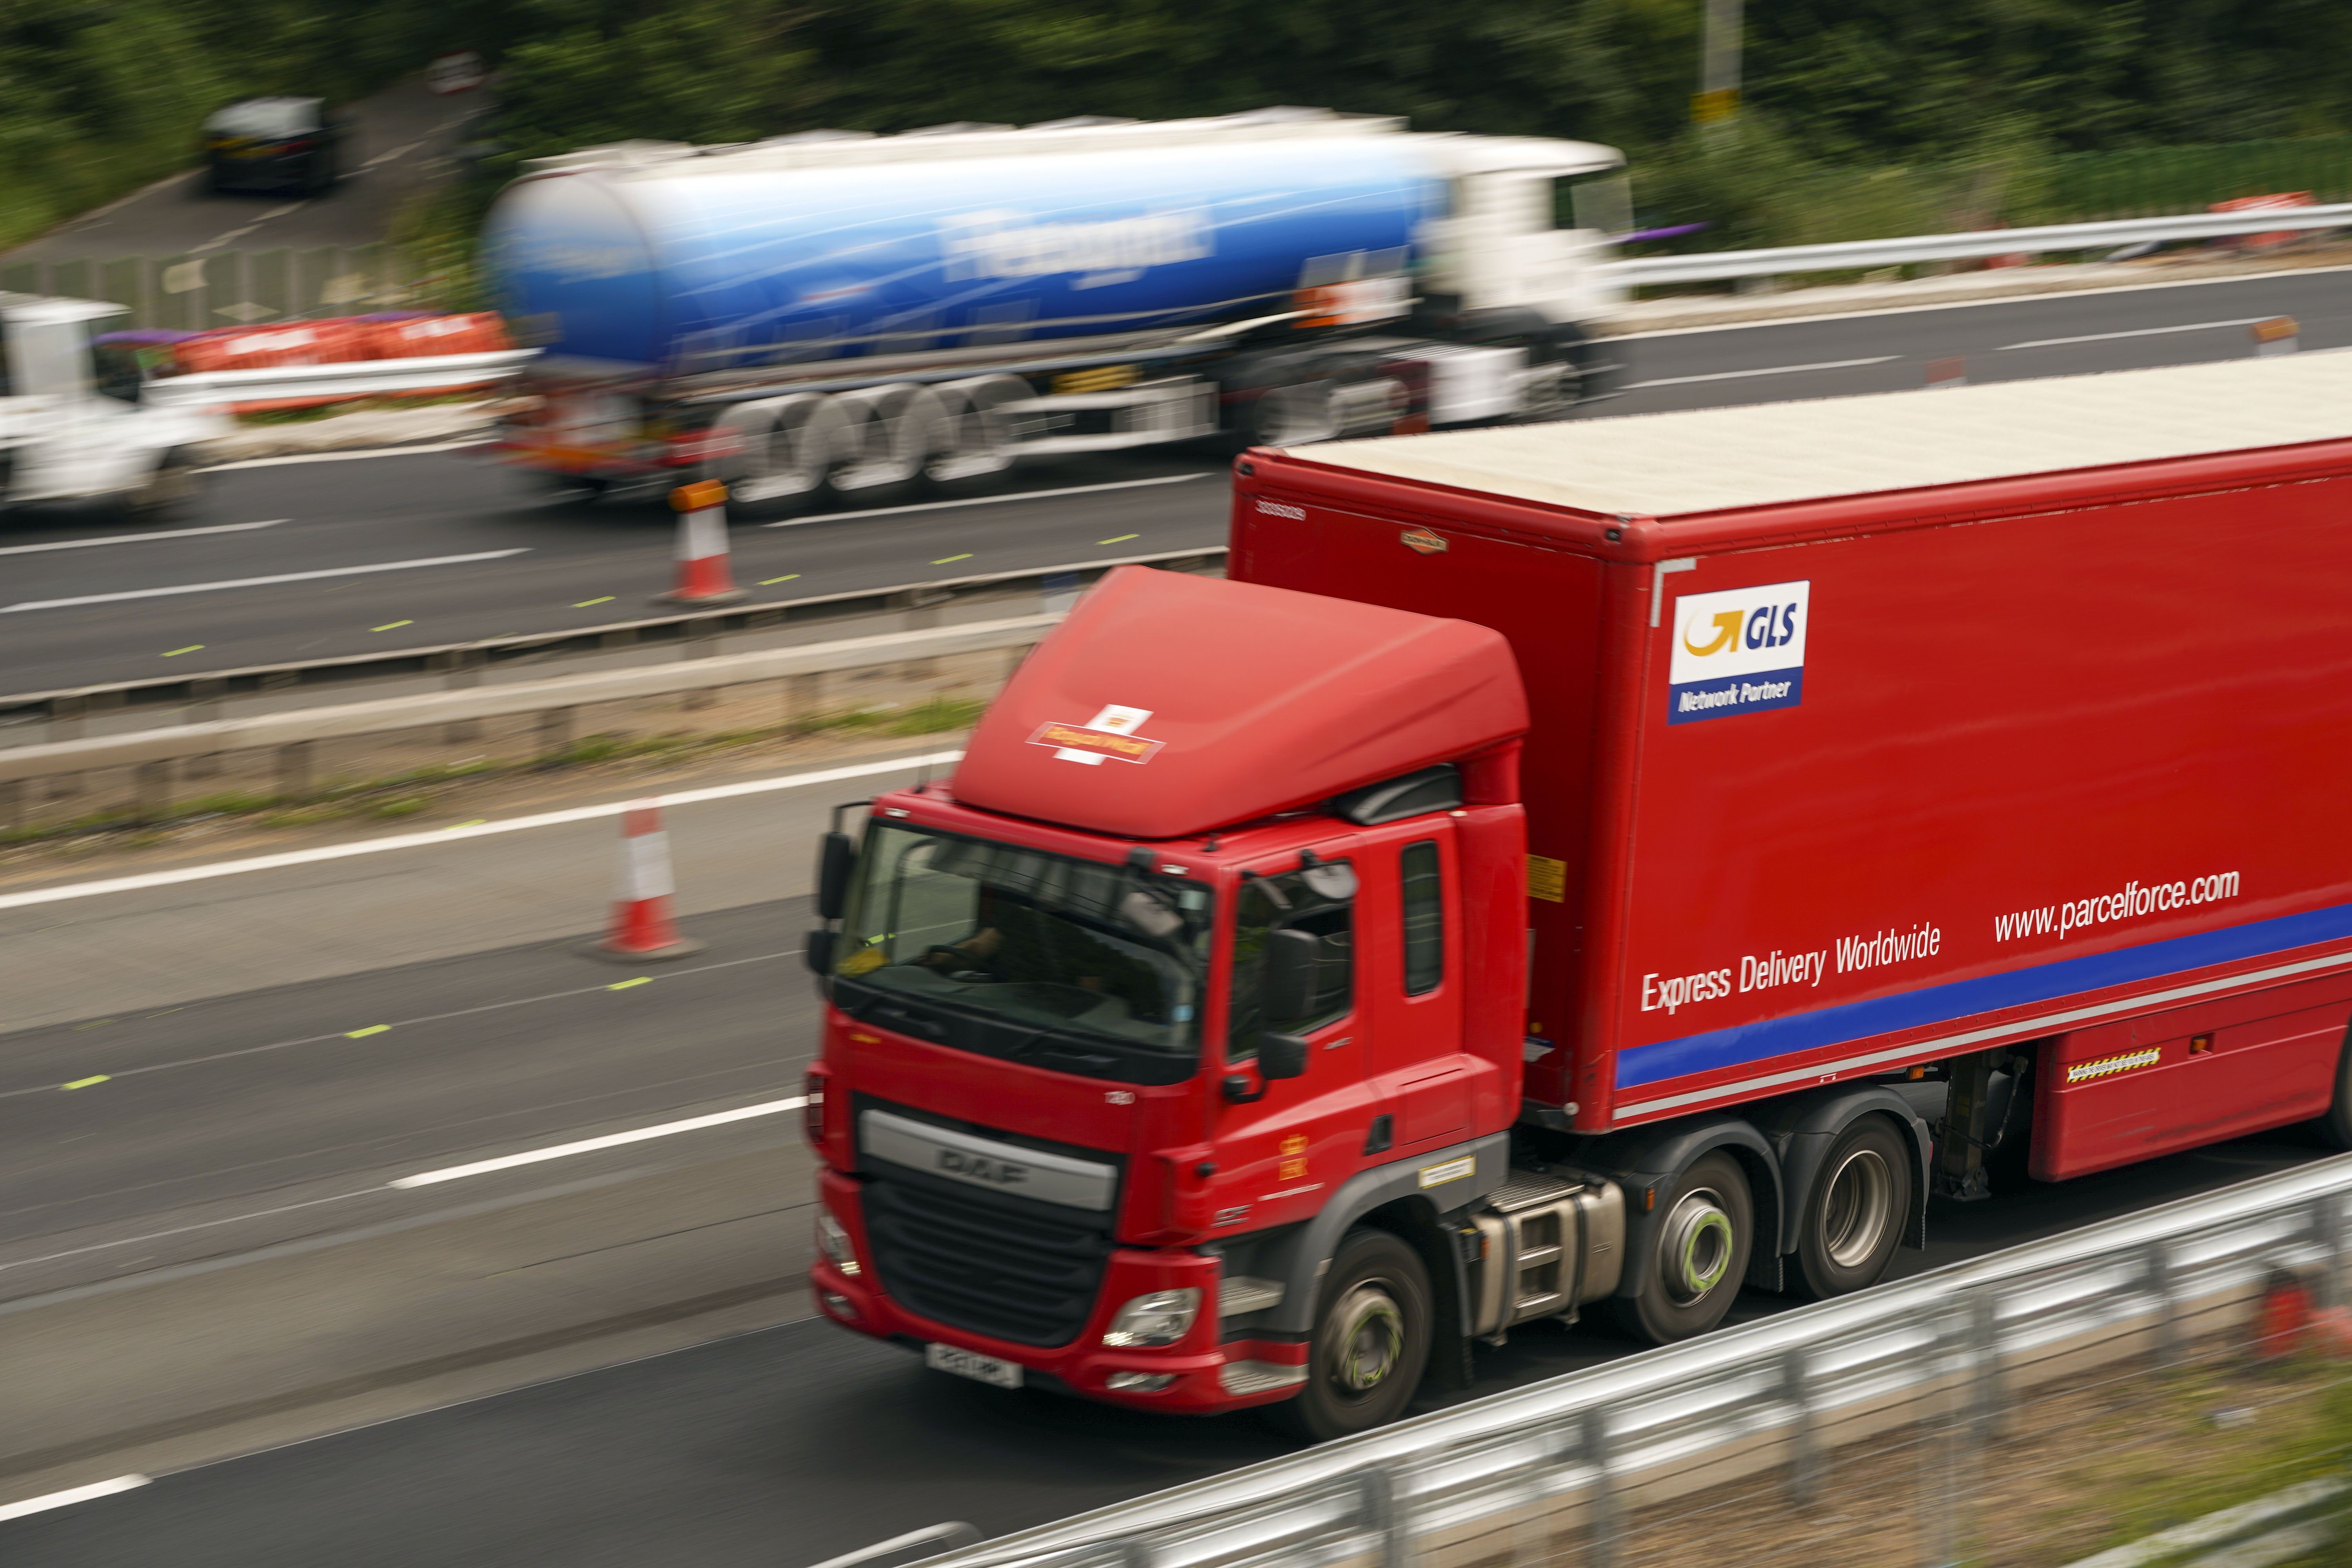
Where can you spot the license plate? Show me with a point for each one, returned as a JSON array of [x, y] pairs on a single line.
[[986, 1369]]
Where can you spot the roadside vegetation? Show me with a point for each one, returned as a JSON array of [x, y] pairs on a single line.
[[1860, 116]]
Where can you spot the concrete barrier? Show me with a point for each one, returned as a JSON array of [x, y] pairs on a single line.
[[290, 737]]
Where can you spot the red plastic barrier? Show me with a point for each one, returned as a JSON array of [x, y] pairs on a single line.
[[2264, 204], [479, 332], [340, 341], [291, 342]]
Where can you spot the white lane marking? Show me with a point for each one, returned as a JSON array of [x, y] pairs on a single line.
[[184, 1230], [451, 835], [346, 456], [982, 501], [2053, 296], [1770, 369], [249, 228], [588, 1146], [140, 537], [2134, 332], [262, 582], [396, 152], [66, 1499]]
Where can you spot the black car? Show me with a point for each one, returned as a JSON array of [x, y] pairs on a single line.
[[273, 144]]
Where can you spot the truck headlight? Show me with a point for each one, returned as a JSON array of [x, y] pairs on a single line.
[[1160, 1319], [833, 1240]]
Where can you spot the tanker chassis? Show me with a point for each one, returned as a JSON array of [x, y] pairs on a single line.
[[1604, 863], [838, 314]]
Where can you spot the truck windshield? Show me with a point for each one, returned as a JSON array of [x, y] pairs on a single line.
[[1071, 964]]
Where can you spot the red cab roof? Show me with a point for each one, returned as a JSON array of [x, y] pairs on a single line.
[[1167, 705]]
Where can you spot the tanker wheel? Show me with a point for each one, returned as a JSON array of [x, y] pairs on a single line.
[[1854, 1219], [1295, 414], [1372, 1325], [1707, 1226]]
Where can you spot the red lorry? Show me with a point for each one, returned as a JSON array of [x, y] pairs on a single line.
[[1619, 861]]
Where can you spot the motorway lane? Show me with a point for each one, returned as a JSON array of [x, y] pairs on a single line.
[[2064, 334], [401, 137], [592, 563], [212, 1124], [793, 1443], [582, 562]]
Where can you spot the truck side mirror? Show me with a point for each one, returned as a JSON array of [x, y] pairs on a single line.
[[1286, 976], [1281, 1055], [818, 950], [837, 858]]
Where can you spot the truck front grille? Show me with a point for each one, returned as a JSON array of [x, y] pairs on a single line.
[[994, 1265]]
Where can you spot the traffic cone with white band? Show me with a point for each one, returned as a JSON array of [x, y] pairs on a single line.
[[703, 577], [642, 926]]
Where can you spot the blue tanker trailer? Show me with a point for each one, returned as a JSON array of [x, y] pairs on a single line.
[[846, 313]]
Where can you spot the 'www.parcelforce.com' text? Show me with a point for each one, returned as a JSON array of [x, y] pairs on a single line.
[[2134, 900]]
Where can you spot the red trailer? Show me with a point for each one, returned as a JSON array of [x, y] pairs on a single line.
[[1908, 785]]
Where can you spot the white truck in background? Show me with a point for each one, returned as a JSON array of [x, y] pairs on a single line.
[[72, 436]]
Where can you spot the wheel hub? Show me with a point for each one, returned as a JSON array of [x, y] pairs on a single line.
[[1368, 1339], [1858, 1210], [1695, 1245]]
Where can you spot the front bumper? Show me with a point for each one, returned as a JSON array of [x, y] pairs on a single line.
[[1208, 1375]]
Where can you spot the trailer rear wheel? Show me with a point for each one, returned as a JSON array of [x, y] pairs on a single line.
[[1707, 1226], [1372, 1326], [1854, 1219]]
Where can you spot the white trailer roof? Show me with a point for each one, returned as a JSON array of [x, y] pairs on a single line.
[[1711, 459]]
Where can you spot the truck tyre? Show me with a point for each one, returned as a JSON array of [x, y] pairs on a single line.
[[1855, 1215], [1293, 416], [1705, 1228], [169, 488], [1372, 1325]]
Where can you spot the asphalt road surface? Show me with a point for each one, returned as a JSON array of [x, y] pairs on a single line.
[[798, 1442], [400, 138], [254, 1116], [392, 530], [795, 1444]]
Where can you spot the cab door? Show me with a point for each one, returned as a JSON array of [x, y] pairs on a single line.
[[1409, 988], [1284, 1144]]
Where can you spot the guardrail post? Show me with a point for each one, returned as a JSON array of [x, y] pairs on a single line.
[[65, 716], [1987, 1403], [1602, 1524], [12, 805], [1805, 1468], [554, 731], [1376, 1500], [2163, 1290], [1935, 1508], [294, 769], [2327, 1232], [464, 672], [151, 789], [804, 697], [701, 642]]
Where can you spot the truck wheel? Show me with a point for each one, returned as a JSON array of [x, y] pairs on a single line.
[[1855, 1216], [169, 486], [1372, 1321], [1293, 416], [1707, 1226]]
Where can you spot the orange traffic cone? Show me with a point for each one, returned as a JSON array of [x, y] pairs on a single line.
[[703, 577], [642, 926]]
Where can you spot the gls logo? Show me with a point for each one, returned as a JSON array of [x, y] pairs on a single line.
[[1738, 651], [981, 1168]]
